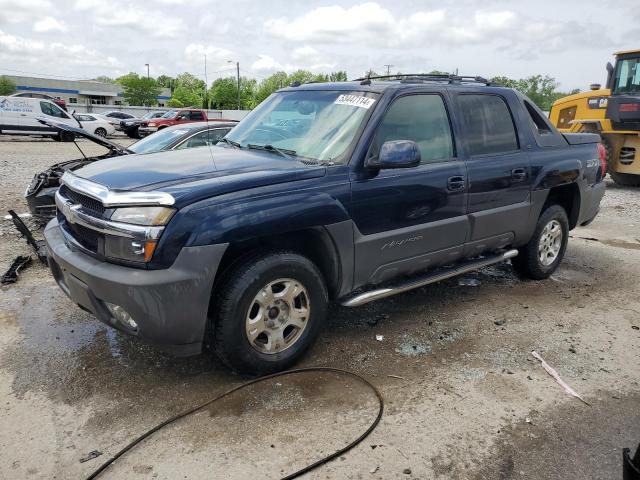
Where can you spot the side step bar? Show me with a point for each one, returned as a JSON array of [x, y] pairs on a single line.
[[434, 277]]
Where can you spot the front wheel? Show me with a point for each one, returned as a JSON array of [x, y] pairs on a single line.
[[268, 312], [101, 132], [539, 258]]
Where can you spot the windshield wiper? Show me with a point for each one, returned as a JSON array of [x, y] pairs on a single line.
[[231, 142], [270, 148]]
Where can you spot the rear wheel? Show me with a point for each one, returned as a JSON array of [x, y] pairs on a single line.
[[539, 258], [625, 179], [66, 137], [269, 311], [101, 132]]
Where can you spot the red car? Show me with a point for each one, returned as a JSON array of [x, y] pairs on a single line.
[[173, 117], [58, 101]]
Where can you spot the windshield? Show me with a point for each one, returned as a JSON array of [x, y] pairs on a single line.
[[170, 114], [317, 125], [148, 115], [158, 141], [627, 78]]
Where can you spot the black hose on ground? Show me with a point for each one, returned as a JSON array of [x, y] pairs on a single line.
[[296, 474]]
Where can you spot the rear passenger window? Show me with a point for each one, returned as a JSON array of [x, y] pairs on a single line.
[[196, 116], [487, 124], [422, 119], [540, 125]]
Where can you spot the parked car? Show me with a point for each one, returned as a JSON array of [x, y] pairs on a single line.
[[173, 117], [40, 194], [130, 126], [376, 188], [19, 116], [58, 101], [114, 117], [94, 124]]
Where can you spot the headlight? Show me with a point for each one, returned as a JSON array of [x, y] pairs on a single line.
[[152, 124], [143, 215]]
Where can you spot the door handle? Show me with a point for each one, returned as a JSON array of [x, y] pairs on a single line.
[[518, 174], [456, 183]]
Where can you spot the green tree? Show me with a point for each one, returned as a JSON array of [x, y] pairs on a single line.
[[223, 94], [542, 90], [189, 90], [174, 103], [105, 79], [139, 90], [339, 76], [271, 84], [165, 81], [7, 87]]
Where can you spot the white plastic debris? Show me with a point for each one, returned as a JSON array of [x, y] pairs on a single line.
[[379, 338], [20, 215], [557, 378]]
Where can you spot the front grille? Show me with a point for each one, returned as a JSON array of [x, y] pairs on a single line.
[[87, 238], [88, 203]]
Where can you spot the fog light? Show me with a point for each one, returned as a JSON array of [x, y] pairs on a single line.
[[121, 315]]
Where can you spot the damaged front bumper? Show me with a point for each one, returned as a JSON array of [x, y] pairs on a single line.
[[169, 307]]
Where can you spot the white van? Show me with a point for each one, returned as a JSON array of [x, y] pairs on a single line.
[[18, 116]]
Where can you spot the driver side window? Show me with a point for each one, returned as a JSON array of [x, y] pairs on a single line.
[[422, 119], [52, 110]]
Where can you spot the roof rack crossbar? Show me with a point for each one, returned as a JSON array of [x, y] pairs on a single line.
[[430, 77]]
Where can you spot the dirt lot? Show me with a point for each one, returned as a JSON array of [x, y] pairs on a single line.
[[471, 402]]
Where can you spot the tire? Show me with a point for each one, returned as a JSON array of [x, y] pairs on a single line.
[[529, 261], [101, 132], [254, 338], [625, 179], [66, 137]]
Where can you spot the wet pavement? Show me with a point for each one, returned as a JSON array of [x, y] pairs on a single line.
[[464, 397]]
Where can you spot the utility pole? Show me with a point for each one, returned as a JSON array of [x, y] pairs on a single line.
[[238, 76], [388, 68], [147, 65], [206, 84], [238, 79]]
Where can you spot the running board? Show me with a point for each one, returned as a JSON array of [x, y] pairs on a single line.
[[434, 277]]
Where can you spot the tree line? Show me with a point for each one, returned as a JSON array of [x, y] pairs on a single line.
[[187, 90]]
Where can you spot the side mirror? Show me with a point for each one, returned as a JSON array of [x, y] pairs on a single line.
[[397, 154]]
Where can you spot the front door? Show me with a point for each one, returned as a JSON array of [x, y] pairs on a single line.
[[410, 219], [498, 170]]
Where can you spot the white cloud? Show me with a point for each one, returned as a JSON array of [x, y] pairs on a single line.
[[49, 24], [266, 63], [39, 53], [375, 25]]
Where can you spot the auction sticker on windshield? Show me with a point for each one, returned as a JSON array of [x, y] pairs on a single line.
[[355, 101]]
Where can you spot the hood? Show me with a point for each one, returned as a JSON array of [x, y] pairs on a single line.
[[79, 132], [184, 172]]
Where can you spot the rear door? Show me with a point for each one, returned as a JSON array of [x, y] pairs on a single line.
[[196, 116], [410, 219], [498, 169]]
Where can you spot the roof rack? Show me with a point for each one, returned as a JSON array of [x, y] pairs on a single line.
[[426, 77]]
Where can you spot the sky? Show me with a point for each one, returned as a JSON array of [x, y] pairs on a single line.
[[78, 39]]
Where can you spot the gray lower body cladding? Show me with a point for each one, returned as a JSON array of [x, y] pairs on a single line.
[[169, 306]]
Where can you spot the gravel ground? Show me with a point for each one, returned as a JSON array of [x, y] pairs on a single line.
[[464, 398]]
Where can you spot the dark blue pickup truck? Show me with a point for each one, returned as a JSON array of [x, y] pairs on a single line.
[[345, 192]]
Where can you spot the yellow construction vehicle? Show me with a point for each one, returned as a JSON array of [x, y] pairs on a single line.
[[613, 112]]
